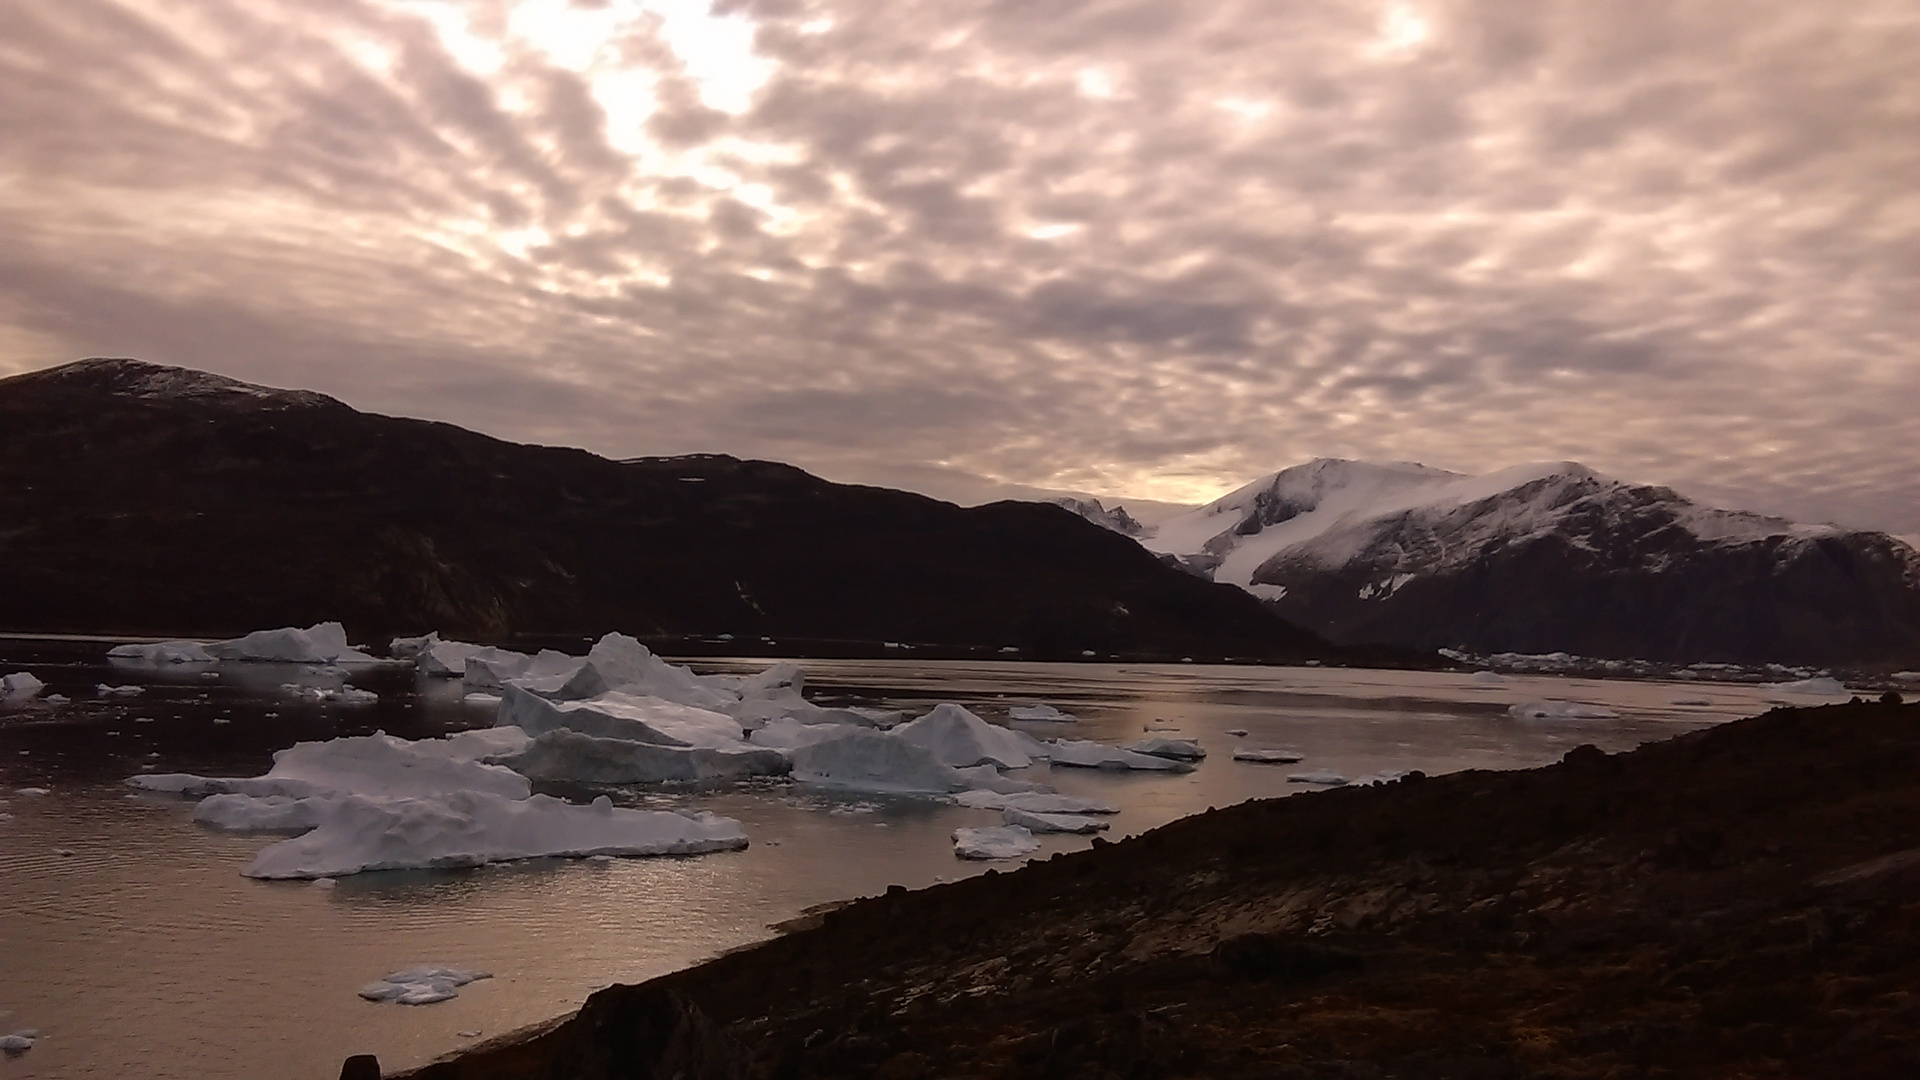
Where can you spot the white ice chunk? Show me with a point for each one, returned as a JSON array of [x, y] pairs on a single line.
[[1267, 755], [266, 813], [343, 695], [618, 662], [1052, 823], [374, 765], [20, 684], [490, 670], [1489, 678], [619, 715], [422, 985], [565, 755], [988, 778], [31, 792], [1561, 710], [470, 828], [1037, 802], [406, 648], [1040, 712], [957, 737], [321, 643], [1823, 686], [162, 652], [1086, 754], [1323, 777], [994, 842], [788, 734], [861, 759], [109, 690], [448, 659], [1161, 746], [485, 744]]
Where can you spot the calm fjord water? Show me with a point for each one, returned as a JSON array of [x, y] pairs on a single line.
[[143, 952]]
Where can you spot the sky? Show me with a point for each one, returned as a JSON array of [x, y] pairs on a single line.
[[1146, 249]]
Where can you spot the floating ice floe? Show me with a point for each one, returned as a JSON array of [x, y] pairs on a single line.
[[1053, 823], [20, 684], [1561, 710], [1161, 746], [778, 694], [1322, 777], [567, 755], [375, 765], [321, 643], [448, 659], [109, 690], [160, 653], [956, 737], [344, 695], [31, 792], [407, 648], [1237, 732], [994, 842], [860, 759], [1266, 755], [619, 715], [19, 1042], [988, 778], [1823, 686], [357, 834], [1034, 802], [1040, 712], [1085, 754], [490, 670], [422, 985]]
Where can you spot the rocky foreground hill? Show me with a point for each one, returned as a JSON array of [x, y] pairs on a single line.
[[1546, 558], [137, 498], [1738, 902]]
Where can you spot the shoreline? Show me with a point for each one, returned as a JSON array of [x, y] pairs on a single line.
[[1735, 901]]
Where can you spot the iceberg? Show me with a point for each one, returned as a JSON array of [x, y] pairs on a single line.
[[1052, 823], [618, 715], [20, 684], [1040, 712], [1561, 710], [448, 659], [1086, 754], [1161, 746], [359, 833], [160, 653], [956, 737], [1035, 802], [407, 648], [489, 671], [1261, 755], [422, 985], [861, 759], [321, 643], [375, 765], [618, 662], [788, 734], [994, 842], [569, 756]]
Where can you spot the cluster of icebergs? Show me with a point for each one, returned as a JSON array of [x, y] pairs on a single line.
[[618, 716]]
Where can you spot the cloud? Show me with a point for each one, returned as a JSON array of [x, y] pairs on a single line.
[[1112, 245]]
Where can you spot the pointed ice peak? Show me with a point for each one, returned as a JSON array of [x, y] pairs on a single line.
[[126, 377]]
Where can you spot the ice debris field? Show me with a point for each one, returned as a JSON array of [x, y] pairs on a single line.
[[619, 716]]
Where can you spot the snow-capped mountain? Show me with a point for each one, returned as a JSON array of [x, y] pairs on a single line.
[[1549, 557]]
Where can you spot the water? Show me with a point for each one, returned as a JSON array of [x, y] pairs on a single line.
[[145, 953]]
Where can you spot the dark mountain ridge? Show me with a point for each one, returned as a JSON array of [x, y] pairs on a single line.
[[136, 498]]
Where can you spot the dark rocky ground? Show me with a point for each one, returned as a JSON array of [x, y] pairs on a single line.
[[1738, 902]]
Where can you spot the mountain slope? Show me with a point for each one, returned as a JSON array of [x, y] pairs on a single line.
[[139, 498], [1550, 557]]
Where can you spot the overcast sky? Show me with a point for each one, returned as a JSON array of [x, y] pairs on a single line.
[[1146, 248]]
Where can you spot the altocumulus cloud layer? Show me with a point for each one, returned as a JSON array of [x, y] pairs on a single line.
[[1141, 247]]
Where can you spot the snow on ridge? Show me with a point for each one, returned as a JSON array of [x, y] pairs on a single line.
[[141, 379], [1331, 511]]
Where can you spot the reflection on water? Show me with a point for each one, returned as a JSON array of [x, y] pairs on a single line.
[[143, 952]]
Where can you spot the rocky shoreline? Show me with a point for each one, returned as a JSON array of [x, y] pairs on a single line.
[[1741, 901]]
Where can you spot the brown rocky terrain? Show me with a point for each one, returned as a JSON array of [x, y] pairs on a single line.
[[1738, 902]]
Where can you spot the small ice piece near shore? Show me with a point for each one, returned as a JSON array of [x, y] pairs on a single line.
[[1237, 732], [422, 985], [20, 684], [1053, 823], [1267, 755], [161, 652], [1161, 746], [1086, 754], [1561, 710], [1322, 777], [1489, 678], [994, 842], [956, 737], [19, 1042], [1034, 802], [31, 791], [1041, 712], [1823, 686], [321, 643]]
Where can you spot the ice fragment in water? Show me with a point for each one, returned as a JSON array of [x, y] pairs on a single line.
[[1824, 686], [320, 643], [1052, 823], [1561, 710], [1161, 746], [163, 652], [422, 985], [1040, 712], [1035, 802], [1085, 754], [994, 842], [956, 737], [1261, 755], [21, 684], [1322, 777]]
